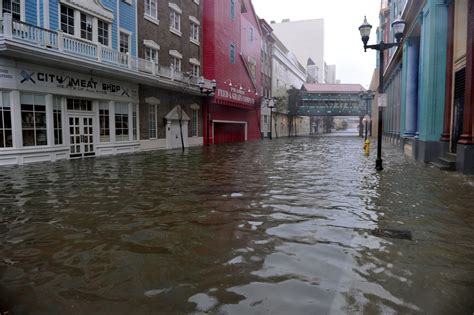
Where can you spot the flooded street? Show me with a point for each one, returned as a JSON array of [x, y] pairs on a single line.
[[272, 227]]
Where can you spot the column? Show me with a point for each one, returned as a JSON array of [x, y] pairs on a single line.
[[446, 136], [15, 107], [413, 52], [49, 119], [468, 136]]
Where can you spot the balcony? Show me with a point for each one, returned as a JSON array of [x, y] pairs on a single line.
[[57, 42]]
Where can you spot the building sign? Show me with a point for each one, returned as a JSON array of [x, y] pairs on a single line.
[[382, 101], [55, 81], [235, 95]]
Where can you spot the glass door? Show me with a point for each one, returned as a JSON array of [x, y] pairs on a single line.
[[81, 136]]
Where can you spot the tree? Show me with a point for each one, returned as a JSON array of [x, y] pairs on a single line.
[[294, 100]]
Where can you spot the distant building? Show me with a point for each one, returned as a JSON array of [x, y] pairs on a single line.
[[303, 47], [329, 74], [313, 72], [267, 61]]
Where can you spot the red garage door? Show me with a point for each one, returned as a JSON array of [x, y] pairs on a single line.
[[228, 133]]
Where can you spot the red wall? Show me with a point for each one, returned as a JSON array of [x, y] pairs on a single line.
[[219, 32]]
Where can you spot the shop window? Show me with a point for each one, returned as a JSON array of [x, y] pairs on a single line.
[[194, 123], [134, 122], [6, 136], [13, 7], [57, 121], [104, 122], [79, 104], [152, 126], [103, 32], [33, 118], [86, 26], [121, 122], [67, 20]]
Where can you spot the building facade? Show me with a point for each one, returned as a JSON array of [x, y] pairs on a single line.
[[233, 59], [170, 43], [428, 82], [303, 48], [67, 85], [266, 59], [287, 73]]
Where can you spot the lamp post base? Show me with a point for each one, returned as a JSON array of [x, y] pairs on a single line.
[[378, 165]]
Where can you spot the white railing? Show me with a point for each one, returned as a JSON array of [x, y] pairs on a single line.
[[165, 72], [64, 43], [79, 47], [147, 66], [34, 35], [114, 57]]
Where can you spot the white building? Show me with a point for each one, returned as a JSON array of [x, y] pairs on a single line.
[[287, 72], [329, 74], [305, 39]]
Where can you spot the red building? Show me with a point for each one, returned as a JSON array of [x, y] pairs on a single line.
[[231, 56]]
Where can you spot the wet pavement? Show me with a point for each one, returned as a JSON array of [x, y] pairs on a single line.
[[272, 227]]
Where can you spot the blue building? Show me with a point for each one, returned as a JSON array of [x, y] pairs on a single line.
[[429, 81], [69, 79]]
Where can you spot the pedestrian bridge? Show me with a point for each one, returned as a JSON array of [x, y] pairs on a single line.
[[332, 100]]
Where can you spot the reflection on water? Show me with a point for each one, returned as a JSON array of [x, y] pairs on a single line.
[[280, 227]]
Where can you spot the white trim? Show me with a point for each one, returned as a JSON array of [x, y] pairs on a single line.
[[176, 54], [176, 32], [151, 19], [46, 14], [194, 20], [174, 7], [92, 7], [152, 100], [22, 10], [151, 44], [195, 62]]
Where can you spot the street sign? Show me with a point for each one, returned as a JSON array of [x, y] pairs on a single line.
[[382, 101]]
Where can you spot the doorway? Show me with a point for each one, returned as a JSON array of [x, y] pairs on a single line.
[[458, 108], [81, 136]]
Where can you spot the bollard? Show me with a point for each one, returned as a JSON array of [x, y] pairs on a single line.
[[367, 147]]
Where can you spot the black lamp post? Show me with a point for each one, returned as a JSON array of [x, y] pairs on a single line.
[[271, 106], [208, 89], [398, 27]]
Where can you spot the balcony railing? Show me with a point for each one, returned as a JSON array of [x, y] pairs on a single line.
[[25, 33]]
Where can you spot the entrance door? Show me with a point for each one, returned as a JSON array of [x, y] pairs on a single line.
[[458, 109], [81, 136]]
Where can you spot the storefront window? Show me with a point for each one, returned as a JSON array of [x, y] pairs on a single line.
[[33, 118], [6, 140], [121, 122], [57, 119], [134, 122], [79, 104], [104, 122], [194, 126], [152, 121]]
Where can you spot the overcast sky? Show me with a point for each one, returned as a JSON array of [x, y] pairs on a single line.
[[342, 18]]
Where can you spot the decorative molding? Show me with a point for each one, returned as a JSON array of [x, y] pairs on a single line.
[[176, 54], [151, 44], [175, 7], [93, 7], [194, 61]]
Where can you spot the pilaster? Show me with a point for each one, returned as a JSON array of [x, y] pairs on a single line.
[[446, 136], [411, 92], [433, 70]]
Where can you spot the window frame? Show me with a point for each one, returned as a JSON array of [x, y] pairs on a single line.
[[122, 123], [153, 112], [99, 36], [232, 53], [194, 33], [18, 16], [147, 10], [70, 27], [89, 34], [5, 98], [175, 20], [104, 122], [34, 119], [129, 44]]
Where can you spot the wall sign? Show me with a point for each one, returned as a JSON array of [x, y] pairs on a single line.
[[235, 95]]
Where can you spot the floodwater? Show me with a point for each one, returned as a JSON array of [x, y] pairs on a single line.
[[272, 227]]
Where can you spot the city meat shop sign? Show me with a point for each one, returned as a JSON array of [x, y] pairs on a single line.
[[57, 81]]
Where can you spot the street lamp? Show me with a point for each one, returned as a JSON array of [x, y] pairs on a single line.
[[207, 88], [398, 27], [270, 105]]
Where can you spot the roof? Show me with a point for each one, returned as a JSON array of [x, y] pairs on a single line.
[[333, 88]]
